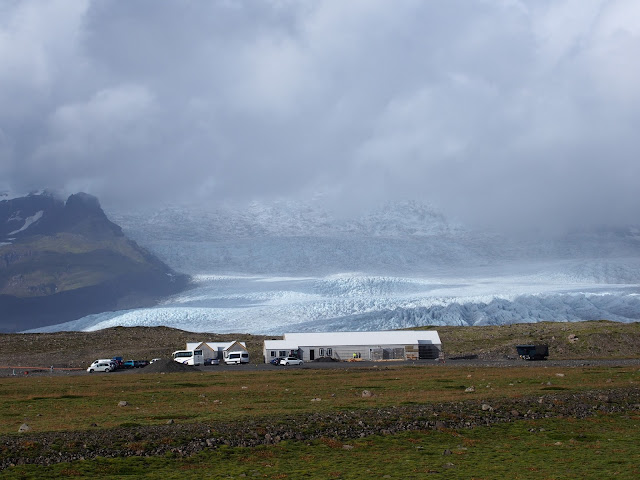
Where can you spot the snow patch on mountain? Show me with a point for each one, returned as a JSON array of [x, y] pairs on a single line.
[[27, 222]]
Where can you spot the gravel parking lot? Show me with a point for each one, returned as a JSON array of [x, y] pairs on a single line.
[[167, 366]]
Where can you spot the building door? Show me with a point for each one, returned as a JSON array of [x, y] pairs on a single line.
[[312, 354]]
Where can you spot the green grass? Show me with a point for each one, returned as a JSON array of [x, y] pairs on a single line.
[[77, 402], [605, 446]]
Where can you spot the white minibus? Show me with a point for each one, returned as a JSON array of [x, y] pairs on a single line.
[[188, 357]]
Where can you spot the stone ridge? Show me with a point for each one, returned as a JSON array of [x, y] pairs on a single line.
[[190, 439]]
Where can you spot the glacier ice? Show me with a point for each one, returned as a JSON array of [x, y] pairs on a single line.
[[272, 305], [291, 267]]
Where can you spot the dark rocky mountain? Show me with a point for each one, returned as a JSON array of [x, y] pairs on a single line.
[[60, 261]]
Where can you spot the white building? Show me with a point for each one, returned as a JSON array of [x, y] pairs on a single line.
[[384, 345], [214, 352]]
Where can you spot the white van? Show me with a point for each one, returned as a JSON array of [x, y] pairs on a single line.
[[113, 363], [236, 358], [104, 365]]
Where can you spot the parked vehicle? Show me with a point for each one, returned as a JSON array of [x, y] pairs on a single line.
[[291, 361], [112, 364], [211, 361], [276, 361], [119, 361], [140, 363], [533, 352], [101, 366], [236, 358], [129, 364], [188, 357], [154, 360]]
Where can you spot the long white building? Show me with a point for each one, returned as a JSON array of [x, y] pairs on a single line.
[[383, 345]]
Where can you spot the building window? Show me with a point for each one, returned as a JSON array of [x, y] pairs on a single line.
[[321, 352], [282, 353], [273, 353], [329, 352]]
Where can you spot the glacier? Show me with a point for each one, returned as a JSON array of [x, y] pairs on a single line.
[[293, 266]]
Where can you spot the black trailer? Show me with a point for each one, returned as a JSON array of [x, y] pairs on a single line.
[[533, 352]]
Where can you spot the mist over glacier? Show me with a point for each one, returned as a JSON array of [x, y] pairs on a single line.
[[292, 266]]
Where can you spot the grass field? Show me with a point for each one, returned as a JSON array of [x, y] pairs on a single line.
[[603, 447], [76, 402], [598, 446]]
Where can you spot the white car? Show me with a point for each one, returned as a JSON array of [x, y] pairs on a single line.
[[101, 366], [237, 358], [291, 361]]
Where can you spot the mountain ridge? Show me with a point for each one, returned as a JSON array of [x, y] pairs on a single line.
[[60, 261]]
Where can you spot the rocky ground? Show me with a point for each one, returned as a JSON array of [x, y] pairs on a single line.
[[169, 366], [189, 439], [567, 341], [78, 349]]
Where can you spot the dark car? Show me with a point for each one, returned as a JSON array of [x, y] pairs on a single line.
[[533, 352], [119, 361], [140, 363]]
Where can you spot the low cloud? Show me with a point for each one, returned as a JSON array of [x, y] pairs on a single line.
[[500, 113]]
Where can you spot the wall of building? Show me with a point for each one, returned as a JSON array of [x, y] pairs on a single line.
[[270, 354], [236, 348], [207, 352], [359, 352], [372, 352]]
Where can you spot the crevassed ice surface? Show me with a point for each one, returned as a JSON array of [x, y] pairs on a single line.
[[294, 267]]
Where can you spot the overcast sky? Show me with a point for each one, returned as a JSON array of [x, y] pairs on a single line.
[[494, 111]]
